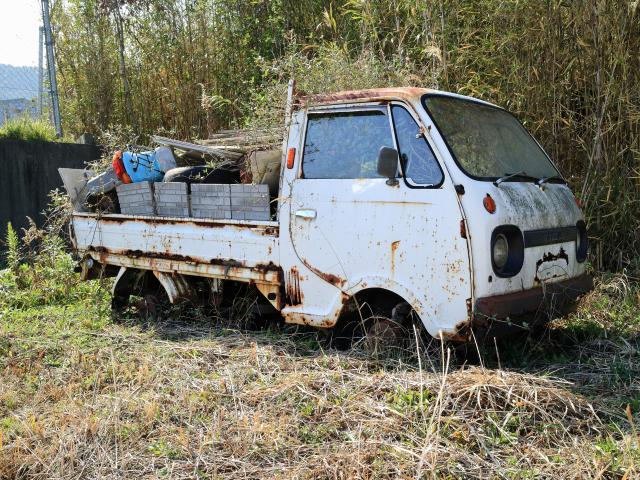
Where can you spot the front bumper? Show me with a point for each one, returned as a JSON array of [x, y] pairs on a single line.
[[550, 298]]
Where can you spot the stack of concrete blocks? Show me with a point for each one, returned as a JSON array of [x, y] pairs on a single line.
[[136, 198], [172, 199], [214, 201], [250, 202], [210, 200]]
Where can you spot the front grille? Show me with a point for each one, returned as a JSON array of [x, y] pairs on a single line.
[[549, 236]]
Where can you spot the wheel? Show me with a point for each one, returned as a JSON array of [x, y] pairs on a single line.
[[149, 297], [376, 322], [382, 333]]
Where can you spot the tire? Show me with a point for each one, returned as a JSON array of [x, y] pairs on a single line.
[[202, 174]]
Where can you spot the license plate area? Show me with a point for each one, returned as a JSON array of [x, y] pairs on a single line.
[[553, 265]]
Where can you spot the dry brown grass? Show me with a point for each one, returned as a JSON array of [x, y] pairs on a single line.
[[186, 401], [185, 396]]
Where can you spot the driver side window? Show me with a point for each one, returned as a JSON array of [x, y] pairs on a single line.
[[416, 157], [345, 145]]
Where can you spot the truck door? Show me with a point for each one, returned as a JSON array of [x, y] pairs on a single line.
[[353, 229]]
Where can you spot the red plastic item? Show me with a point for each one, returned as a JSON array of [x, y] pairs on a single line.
[[118, 166]]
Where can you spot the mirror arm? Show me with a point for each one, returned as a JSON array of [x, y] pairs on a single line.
[[392, 182]]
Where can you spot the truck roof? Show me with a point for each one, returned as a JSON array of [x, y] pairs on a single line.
[[377, 94]]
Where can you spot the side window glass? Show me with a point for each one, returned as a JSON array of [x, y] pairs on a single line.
[[345, 145], [417, 158]]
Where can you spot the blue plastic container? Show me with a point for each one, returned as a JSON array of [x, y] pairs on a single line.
[[142, 166]]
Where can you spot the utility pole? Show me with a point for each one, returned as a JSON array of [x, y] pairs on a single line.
[[40, 75], [51, 64]]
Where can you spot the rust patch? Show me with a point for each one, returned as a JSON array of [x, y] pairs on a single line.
[[326, 323], [529, 301], [455, 337], [406, 93], [265, 267], [101, 251], [294, 293], [226, 262], [263, 230], [328, 277], [550, 257], [332, 279], [394, 249], [229, 263], [461, 333], [158, 255]]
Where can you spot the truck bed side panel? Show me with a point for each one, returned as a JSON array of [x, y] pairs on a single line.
[[225, 249]]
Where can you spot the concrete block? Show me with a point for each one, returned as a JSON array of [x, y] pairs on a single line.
[[209, 189], [172, 199], [250, 202], [136, 198], [212, 213], [253, 216], [210, 201], [172, 211]]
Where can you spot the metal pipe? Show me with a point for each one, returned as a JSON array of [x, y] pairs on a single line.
[[51, 66]]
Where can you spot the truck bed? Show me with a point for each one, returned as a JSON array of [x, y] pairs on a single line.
[[227, 249]]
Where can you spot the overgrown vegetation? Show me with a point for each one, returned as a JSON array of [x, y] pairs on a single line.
[[85, 394], [25, 128], [569, 70]]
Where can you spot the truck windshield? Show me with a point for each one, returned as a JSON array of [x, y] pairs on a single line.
[[487, 142]]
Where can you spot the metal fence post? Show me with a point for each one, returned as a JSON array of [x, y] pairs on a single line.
[[51, 67]]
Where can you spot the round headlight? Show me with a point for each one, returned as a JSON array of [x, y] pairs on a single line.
[[500, 251], [506, 250]]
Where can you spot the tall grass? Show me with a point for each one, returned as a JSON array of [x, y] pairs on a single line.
[[24, 128]]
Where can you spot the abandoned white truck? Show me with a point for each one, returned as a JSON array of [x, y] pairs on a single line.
[[437, 202]]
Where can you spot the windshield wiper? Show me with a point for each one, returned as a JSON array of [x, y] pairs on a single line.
[[544, 180], [512, 175]]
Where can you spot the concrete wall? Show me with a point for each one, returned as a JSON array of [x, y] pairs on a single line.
[[28, 172]]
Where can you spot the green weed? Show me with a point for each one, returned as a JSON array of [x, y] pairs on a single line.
[[24, 128]]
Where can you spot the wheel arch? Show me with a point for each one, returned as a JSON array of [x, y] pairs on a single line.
[[374, 285]]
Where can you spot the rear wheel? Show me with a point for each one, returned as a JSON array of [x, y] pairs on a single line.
[[149, 297]]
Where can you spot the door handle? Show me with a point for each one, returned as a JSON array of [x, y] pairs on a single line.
[[306, 214]]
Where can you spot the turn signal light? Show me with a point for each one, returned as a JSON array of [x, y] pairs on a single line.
[[489, 204], [291, 156]]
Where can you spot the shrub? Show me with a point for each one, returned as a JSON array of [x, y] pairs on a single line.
[[24, 128]]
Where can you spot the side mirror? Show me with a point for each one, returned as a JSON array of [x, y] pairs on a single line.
[[388, 164]]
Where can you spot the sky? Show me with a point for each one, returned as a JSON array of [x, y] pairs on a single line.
[[19, 22]]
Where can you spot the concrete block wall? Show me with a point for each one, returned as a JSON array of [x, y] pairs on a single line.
[[136, 198], [214, 201], [250, 202], [210, 201], [172, 199], [29, 173]]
